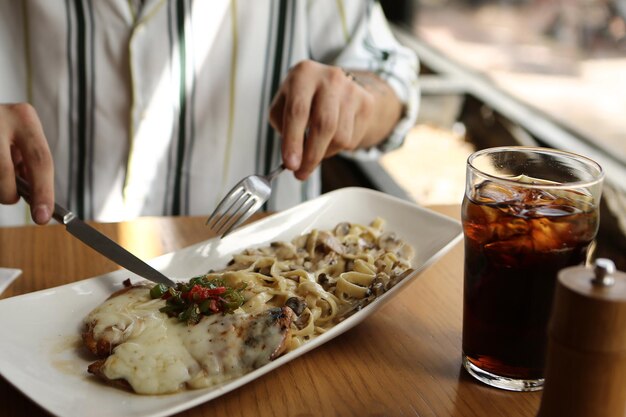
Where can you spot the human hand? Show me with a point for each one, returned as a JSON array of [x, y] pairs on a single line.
[[24, 151], [325, 104]]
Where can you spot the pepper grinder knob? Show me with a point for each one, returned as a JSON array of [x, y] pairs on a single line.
[[603, 270], [585, 371]]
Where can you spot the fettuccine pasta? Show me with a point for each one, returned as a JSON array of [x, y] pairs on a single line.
[[323, 275]]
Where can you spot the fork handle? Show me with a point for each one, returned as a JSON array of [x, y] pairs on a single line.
[[276, 172]]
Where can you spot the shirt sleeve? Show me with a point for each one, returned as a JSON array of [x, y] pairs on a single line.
[[369, 45]]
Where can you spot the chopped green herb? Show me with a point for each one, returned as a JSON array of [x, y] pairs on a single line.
[[200, 296], [158, 290]]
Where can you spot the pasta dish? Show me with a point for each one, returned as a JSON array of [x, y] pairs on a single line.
[[266, 301]]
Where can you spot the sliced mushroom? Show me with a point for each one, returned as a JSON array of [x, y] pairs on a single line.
[[398, 275], [296, 304], [284, 250], [342, 229], [324, 281], [389, 242], [364, 244], [350, 265], [377, 287], [328, 241], [302, 320]]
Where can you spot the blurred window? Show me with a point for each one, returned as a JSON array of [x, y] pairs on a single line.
[[565, 58]]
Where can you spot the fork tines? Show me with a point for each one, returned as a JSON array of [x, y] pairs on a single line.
[[232, 211]]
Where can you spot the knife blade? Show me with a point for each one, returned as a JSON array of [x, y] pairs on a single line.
[[98, 241]]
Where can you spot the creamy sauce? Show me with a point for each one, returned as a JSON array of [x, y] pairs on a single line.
[[62, 352], [158, 355]]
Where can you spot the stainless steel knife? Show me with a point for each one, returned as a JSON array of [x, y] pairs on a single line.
[[97, 241]]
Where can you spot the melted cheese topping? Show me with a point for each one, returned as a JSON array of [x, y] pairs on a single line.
[[161, 355]]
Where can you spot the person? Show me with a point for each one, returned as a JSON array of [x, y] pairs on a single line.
[[125, 108]]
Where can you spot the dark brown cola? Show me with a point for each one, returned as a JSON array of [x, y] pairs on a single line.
[[516, 240]]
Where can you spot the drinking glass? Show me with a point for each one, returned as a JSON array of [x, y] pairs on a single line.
[[527, 213]]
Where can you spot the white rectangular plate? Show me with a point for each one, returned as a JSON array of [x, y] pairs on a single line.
[[41, 350]]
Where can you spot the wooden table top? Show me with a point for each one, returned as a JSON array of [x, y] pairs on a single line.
[[403, 360]]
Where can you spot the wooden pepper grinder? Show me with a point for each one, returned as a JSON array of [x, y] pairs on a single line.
[[586, 363]]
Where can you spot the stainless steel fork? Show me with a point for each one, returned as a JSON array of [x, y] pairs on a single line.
[[242, 201]]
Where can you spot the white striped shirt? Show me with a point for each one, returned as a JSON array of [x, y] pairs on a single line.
[[158, 107]]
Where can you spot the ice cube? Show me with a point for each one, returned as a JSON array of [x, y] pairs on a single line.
[[552, 210], [506, 253], [491, 192], [478, 232], [548, 234], [534, 196], [509, 229]]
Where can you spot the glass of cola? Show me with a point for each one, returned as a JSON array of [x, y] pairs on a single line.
[[527, 213]]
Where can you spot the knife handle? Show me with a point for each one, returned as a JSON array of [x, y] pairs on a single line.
[[60, 214]]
